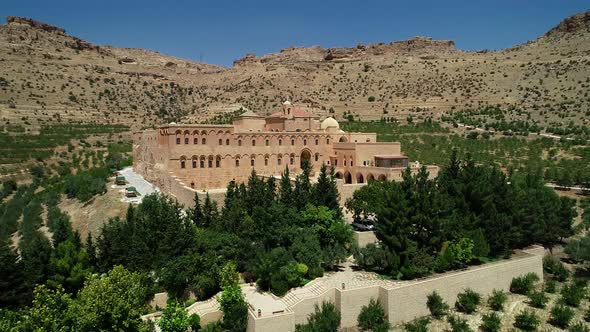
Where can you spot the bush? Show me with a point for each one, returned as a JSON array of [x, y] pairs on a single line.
[[561, 316], [467, 301], [523, 284], [372, 318], [326, 318], [491, 322], [552, 265], [194, 321], [551, 286], [572, 295], [377, 258], [497, 299], [371, 99], [174, 318], [538, 299], [579, 327], [418, 325], [527, 320], [459, 324], [438, 308]]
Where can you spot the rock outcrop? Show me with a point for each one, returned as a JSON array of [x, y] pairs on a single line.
[[35, 24], [572, 24]]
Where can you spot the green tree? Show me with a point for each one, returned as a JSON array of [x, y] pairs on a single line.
[[286, 188], [174, 318], [68, 267], [232, 302], [435, 303], [372, 318], [14, 291], [49, 311], [324, 319], [325, 191]]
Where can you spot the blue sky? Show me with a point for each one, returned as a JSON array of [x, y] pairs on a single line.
[[221, 31]]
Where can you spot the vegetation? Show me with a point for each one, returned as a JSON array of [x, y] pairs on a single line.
[[561, 316], [174, 318], [418, 325], [523, 284], [538, 299], [459, 324], [438, 308], [497, 299], [491, 322], [373, 318], [324, 319], [527, 320], [467, 301]]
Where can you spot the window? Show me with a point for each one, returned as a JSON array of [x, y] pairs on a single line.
[[202, 163], [237, 162], [280, 142], [203, 140], [292, 160], [240, 142], [253, 142], [252, 162], [220, 141], [267, 143], [218, 162], [279, 161], [317, 156], [182, 164], [265, 161], [177, 140], [292, 142], [364, 163], [304, 142], [344, 162], [194, 163], [317, 141], [327, 141], [210, 163], [335, 162], [186, 140], [351, 163], [195, 141], [227, 141]]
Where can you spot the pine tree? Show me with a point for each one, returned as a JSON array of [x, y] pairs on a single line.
[[13, 288], [210, 212], [90, 249], [325, 191], [285, 188], [197, 213], [302, 188]]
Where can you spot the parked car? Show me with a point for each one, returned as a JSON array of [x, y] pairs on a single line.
[[120, 180], [131, 192], [363, 225]]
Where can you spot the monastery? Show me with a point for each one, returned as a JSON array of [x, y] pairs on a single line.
[[183, 159]]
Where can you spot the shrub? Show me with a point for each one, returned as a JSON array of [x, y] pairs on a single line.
[[372, 318], [467, 301], [561, 316], [371, 99], [194, 321], [174, 318], [551, 286], [438, 308], [527, 320], [491, 322], [418, 325], [555, 267], [497, 299], [459, 324], [579, 327], [572, 295], [326, 318], [538, 299], [523, 284], [377, 258]]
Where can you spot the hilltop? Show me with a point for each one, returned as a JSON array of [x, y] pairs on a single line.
[[48, 75]]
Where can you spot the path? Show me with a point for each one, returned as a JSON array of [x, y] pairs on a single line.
[[133, 179]]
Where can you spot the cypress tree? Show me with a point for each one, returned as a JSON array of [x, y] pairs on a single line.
[[285, 188], [13, 288], [325, 191], [210, 212], [301, 193], [90, 249], [197, 213]]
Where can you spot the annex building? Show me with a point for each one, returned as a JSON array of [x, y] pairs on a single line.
[[183, 159]]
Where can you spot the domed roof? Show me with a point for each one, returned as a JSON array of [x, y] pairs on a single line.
[[286, 102], [330, 123]]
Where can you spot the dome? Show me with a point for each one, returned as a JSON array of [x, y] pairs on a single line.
[[287, 102], [329, 123]]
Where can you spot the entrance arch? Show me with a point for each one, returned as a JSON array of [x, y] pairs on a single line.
[[370, 177], [382, 177], [343, 139], [305, 156], [360, 178], [338, 175], [347, 178]]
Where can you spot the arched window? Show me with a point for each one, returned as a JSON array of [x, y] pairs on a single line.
[[292, 160], [227, 141], [202, 162], [252, 162], [280, 142], [292, 142], [237, 162], [304, 142], [267, 142], [317, 141], [266, 161], [327, 141], [195, 140], [254, 142], [280, 161], [203, 140], [210, 162], [335, 162], [239, 142], [182, 163], [177, 140], [344, 162], [194, 163], [220, 141], [351, 163], [317, 156], [186, 140], [218, 161]]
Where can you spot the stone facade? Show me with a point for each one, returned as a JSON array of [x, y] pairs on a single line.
[[183, 159]]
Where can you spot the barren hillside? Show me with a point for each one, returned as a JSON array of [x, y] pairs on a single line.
[[45, 75]]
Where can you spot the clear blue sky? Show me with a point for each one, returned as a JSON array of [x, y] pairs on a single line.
[[221, 31]]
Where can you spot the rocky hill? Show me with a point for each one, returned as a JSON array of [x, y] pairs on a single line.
[[48, 75]]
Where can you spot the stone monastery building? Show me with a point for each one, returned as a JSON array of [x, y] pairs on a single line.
[[184, 158]]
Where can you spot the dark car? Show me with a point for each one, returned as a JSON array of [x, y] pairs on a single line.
[[363, 225]]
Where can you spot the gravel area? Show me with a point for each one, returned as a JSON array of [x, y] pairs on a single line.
[[135, 180]]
